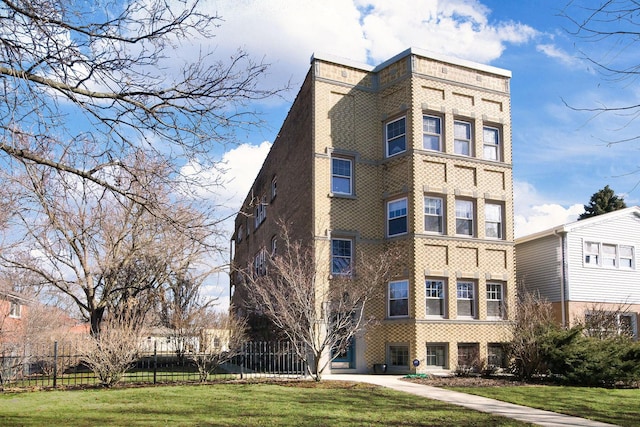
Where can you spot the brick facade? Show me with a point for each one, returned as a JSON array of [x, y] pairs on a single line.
[[342, 112]]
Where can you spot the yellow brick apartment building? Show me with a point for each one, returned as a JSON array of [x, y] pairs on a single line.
[[415, 153]]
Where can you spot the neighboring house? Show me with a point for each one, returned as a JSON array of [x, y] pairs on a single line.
[[415, 152], [586, 267], [165, 340], [13, 311]]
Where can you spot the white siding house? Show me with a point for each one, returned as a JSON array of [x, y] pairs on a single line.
[[585, 265]]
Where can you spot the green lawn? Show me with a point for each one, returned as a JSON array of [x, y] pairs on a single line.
[[331, 403], [615, 406]]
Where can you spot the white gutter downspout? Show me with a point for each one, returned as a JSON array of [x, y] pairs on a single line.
[[562, 237]]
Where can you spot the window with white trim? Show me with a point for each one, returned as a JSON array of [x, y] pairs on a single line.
[[274, 245], [626, 256], [433, 215], [396, 137], [491, 143], [15, 309], [341, 176], [397, 217], [608, 255], [260, 212], [431, 133], [462, 138], [436, 355], [464, 217], [399, 355], [399, 298], [341, 256], [434, 290], [466, 302], [495, 300], [493, 221]]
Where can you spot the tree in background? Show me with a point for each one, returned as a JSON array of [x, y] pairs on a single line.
[[601, 202], [319, 321]]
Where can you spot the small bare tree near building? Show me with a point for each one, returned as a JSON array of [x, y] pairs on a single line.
[[220, 338], [320, 321], [112, 352]]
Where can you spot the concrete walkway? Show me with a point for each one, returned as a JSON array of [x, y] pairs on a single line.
[[483, 404]]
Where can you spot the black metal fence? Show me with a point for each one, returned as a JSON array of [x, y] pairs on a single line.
[[62, 365]]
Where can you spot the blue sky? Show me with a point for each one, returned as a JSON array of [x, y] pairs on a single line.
[[560, 156]]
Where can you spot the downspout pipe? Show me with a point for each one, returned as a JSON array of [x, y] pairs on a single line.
[[563, 276]]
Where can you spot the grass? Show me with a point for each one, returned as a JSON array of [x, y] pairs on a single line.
[[615, 406], [301, 403]]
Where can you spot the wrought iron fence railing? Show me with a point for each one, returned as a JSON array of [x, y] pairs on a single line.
[[62, 365]]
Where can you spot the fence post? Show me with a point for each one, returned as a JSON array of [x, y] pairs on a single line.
[[155, 360], [55, 364]]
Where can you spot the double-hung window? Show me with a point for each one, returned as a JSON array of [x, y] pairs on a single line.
[[431, 133], [462, 138], [433, 215], [341, 176], [609, 255], [591, 253], [495, 304], [464, 217], [434, 290], [436, 355], [399, 298], [396, 137], [274, 187], [493, 220], [341, 256], [626, 256], [491, 143], [397, 217], [260, 263], [466, 299]]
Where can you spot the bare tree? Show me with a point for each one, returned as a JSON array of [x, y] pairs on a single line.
[[220, 338], [101, 249], [87, 85], [112, 353], [320, 321], [611, 28]]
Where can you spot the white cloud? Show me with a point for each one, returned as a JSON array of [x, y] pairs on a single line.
[[533, 214], [552, 51]]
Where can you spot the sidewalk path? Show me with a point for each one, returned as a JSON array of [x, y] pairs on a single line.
[[479, 403]]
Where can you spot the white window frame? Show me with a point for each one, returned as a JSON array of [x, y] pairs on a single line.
[[432, 210], [494, 222], [466, 291], [388, 139], [608, 255], [260, 263], [495, 294], [428, 133], [462, 141], [15, 309], [348, 258], [397, 214], [336, 176], [402, 297], [274, 245], [491, 146], [435, 291], [465, 211]]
